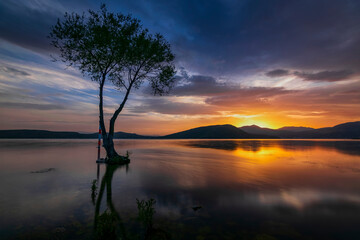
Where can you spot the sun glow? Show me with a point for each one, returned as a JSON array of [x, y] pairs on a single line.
[[250, 121]]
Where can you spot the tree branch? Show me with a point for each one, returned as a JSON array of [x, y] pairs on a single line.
[[116, 113]]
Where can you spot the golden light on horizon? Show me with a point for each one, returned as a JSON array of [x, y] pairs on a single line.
[[251, 121]]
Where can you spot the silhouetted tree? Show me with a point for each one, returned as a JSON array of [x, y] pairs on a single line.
[[113, 47]]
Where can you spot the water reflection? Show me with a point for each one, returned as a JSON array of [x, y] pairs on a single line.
[[256, 189], [347, 146], [300, 188], [109, 224]]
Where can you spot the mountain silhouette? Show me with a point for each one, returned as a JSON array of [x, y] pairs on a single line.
[[295, 129], [212, 132], [44, 134], [254, 129], [350, 130]]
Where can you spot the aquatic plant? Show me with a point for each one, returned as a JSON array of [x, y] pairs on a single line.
[[94, 188], [146, 211]]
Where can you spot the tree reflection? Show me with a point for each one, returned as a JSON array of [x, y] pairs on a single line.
[[109, 225]]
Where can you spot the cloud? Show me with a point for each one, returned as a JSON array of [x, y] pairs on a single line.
[[230, 37], [326, 96], [199, 94], [207, 86], [36, 106], [26, 26], [29, 89], [324, 103], [218, 37], [13, 71], [198, 85], [324, 76], [167, 106], [277, 73], [44, 76], [327, 76], [27, 23], [245, 97], [229, 49]]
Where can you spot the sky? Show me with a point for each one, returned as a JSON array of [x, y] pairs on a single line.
[[272, 63]]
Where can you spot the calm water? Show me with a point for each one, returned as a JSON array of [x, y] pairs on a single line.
[[257, 189]]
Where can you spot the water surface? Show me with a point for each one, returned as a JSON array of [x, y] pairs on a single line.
[[247, 189]]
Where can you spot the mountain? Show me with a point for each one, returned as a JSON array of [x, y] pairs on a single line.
[[350, 130], [124, 135], [295, 129], [284, 131], [345, 130], [254, 129], [43, 134], [213, 132], [279, 133]]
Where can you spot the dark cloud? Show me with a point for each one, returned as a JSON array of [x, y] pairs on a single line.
[[277, 73], [14, 71], [27, 23], [196, 85], [327, 76], [218, 96], [166, 106], [327, 96], [207, 86], [253, 96], [35, 106], [214, 40], [199, 85], [25, 27], [229, 37], [213, 37], [339, 100]]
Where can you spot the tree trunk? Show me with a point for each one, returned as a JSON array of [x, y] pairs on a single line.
[[108, 144], [108, 138]]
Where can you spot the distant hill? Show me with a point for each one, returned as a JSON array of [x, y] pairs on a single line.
[[280, 133], [124, 135], [254, 129], [24, 133], [350, 130], [214, 132], [43, 134], [345, 130], [295, 129]]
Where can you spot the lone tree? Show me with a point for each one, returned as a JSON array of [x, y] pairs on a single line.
[[114, 47]]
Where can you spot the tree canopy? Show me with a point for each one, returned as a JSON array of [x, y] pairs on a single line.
[[114, 47]]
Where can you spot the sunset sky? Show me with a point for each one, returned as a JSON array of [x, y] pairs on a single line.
[[265, 62]]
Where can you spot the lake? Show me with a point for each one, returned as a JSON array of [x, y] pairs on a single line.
[[204, 189]]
